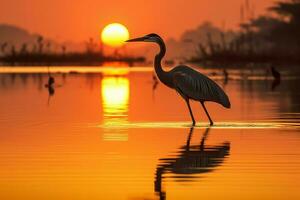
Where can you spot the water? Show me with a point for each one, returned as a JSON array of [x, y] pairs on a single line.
[[113, 134]]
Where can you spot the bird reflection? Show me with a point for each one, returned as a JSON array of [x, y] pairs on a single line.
[[275, 84], [51, 92], [191, 160]]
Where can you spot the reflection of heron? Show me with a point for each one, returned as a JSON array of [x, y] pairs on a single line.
[[155, 83], [191, 160], [190, 84]]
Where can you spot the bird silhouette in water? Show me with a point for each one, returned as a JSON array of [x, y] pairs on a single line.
[[189, 83], [276, 78], [275, 73], [190, 160], [50, 85], [51, 79], [226, 76]]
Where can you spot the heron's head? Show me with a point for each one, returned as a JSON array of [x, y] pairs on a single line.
[[152, 37]]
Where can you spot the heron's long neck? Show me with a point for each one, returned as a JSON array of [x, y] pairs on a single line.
[[163, 76]]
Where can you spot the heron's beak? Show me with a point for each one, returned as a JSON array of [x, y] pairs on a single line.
[[140, 39]]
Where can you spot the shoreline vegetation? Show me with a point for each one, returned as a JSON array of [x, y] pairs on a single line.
[[272, 38], [73, 58], [40, 54]]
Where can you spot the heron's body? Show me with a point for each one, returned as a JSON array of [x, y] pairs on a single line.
[[189, 83]]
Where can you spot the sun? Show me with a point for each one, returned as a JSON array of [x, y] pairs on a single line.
[[114, 35]]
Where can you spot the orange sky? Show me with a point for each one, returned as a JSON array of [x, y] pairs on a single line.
[[78, 20]]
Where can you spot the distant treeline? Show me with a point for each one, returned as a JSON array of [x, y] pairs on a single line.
[[41, 54], [273, 38]]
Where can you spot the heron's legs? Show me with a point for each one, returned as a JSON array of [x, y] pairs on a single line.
[[211, 122], [191, 113]]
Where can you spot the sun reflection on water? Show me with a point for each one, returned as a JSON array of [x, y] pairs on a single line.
[[115, 98]]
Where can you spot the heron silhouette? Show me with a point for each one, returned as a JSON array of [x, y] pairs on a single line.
[[189, 83]]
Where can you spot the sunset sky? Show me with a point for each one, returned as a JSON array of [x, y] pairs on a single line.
[[79, 20]]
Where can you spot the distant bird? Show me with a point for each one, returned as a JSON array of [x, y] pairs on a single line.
[[51, 81], [277, 78], [276, 74], [50, 85], [226, 75], [189, 83]]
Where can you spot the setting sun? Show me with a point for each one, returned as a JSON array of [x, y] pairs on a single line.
[[114, 35]]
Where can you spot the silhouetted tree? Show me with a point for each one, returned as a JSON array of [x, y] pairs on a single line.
[[13, 50], [23, 49], [3, 47], [282, 31], [40, 41], [48, 46], [91, 46], [34, 49], [289, 28], [264, 38], [63, 49]]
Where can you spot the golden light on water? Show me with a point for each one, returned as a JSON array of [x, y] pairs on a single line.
[[118, 140], [114, 35], [115, 98], [115, 95]]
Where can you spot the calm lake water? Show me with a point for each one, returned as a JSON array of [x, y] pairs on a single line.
[[115, 134]]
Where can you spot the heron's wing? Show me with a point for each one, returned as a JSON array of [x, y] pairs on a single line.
[[194, 85]]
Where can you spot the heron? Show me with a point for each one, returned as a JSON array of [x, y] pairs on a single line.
[[187, 82]]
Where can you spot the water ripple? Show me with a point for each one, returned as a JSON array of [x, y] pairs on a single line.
[[278, 124]]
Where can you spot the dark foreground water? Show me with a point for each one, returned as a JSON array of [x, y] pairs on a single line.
[[116, 134]]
